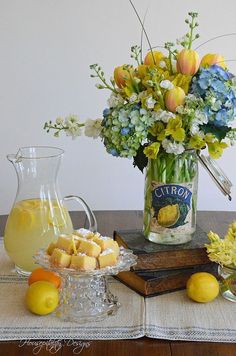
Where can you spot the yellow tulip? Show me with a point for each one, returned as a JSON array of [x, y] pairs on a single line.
[[212, 58], [158, 56], [121, 76], [188, 61], [174, 98]]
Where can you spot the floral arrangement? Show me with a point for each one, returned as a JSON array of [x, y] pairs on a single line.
[[223, 251], [165, 103]]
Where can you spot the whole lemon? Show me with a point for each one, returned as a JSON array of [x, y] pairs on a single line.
[[42, 297], [202, 287]]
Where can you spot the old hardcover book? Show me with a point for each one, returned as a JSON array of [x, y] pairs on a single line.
[[152, 283], [152, 256]]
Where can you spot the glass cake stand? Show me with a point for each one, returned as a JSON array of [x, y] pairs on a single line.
[[85, 295]]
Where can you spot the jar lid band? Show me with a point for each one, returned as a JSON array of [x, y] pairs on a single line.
[[217, 174]]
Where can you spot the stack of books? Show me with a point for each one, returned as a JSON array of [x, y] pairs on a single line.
[[163, 268]]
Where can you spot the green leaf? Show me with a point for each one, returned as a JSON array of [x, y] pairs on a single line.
[[140, 160], [219, 132]]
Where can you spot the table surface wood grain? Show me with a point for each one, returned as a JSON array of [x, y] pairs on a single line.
[[108, 221]]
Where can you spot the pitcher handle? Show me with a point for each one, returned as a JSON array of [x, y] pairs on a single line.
[[89, 213]]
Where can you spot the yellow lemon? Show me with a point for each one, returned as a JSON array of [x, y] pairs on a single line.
[[168, 215], [202, 287], [42, 297]]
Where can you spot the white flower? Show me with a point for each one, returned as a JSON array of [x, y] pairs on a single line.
[[163, 115], [194, 129], [172, 147], [180, 109], [73, 127], [166, 84], [162, 64], [199, 118], [93, 128], [191, 97], [115, 100], [150, 102], [136, 80], [59, 120], [231, 135], [133, 98]]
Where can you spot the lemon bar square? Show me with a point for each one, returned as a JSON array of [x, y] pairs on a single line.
[[107, 242], [90, 248], [83, 262], [60, 258], [51, 247], [107, 258], [65, 242], [84, 233]]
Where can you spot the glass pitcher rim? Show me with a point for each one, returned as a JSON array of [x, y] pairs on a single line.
[[20, 154]]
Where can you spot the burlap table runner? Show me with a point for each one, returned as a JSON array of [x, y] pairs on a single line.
[[171, 316]]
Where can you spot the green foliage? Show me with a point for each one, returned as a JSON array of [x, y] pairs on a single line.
[[140, 160], [218, 132]]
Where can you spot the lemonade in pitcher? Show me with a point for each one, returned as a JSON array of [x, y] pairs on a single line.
[[38, 215], [33, 224]]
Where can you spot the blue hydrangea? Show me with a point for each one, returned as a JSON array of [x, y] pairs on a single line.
[[125, 128], [214, 85]]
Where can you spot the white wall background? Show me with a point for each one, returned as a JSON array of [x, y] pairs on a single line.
[[46, 47]]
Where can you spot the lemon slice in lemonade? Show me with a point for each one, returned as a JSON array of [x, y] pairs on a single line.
[[31, 204], [57, 216], [22, 218]]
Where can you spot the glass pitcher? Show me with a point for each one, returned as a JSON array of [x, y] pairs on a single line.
[[39, 214]]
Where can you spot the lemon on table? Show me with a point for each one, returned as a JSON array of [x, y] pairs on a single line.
[[42, 297], [202, 287]]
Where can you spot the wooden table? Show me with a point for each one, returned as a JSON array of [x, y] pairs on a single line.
[[107, 222]]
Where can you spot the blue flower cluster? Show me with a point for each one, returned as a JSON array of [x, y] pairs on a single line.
[[124, 129], [214, 85]]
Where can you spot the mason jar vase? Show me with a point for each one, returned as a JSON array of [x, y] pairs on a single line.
[[171, 198]]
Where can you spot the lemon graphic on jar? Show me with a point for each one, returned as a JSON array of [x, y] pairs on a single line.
[[168, 215]]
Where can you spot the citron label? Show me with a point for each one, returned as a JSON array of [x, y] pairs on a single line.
[[171, 206]]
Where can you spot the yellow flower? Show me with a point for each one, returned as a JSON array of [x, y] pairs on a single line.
[[152, 150], [196, 142], [182, 81], [213, 58], [153, 58], [174, 128], [213, 237], [141, 71], [216, 148], [223, 251], [158, 130], [209, 137]]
